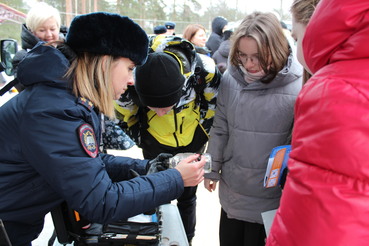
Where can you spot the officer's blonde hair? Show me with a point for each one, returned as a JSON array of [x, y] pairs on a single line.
[[91, 78], [39, 13]]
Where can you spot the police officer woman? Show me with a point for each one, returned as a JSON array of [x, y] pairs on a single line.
[[50, 132]]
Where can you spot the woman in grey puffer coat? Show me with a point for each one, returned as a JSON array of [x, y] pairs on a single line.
[[254, 114]]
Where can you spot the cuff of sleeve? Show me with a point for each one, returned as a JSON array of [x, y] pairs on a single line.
[[215, 176]]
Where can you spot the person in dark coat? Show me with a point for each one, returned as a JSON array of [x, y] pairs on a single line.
[[160, 30], [42, 24], [50, 132], [171, 26], [167, 111], [218, 26], [220, 57]]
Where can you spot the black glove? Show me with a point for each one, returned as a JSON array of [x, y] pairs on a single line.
[[160, 163], [134, 173]]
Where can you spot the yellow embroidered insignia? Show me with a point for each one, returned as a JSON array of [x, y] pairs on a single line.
[[88, 140], [85, 102]]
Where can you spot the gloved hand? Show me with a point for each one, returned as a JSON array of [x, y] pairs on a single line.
[[134, 173], [160, 163]]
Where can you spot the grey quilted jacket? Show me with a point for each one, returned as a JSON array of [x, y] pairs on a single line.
[[250, 120]]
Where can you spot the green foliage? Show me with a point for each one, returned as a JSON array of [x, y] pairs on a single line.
[[59, 5], [106, 6], [10, 29], [283, 14], [17, 4], [147, 13], [221, 9]]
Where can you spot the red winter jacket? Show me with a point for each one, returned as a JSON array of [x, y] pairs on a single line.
[[326, 197]]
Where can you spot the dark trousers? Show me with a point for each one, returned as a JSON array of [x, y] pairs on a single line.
[[21, 234], [241, 233], [186, 204]]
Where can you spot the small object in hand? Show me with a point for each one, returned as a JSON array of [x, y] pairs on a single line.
[[174, 161]]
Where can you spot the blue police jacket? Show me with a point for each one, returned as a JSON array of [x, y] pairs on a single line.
[[47, 154]]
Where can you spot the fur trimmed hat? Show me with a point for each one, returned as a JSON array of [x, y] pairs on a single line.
[[108, 34], [160, 30], [170, 25], [159, 82]]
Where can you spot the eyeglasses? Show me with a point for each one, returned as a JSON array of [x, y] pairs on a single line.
[[243, 58]]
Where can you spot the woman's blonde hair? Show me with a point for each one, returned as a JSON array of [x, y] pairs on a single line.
[[39, 13], [266, 30], [91, 78], [302, 10], [191, 30]]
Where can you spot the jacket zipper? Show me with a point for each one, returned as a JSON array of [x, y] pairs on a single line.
[[175, 123], [181, 128]]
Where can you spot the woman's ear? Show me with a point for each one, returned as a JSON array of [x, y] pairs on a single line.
[[103, 63]]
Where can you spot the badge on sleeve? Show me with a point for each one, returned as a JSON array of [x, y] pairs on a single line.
[[88, 140]]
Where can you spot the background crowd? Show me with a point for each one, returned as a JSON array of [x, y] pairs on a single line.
[[236, 95]]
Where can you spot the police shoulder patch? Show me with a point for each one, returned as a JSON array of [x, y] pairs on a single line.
[[88, 140]]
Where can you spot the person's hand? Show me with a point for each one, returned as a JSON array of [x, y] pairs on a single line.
[[222, 67], [210, 185], [160, 163], [192, 170]]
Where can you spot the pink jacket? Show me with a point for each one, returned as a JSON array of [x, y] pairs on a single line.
[[326, 197]]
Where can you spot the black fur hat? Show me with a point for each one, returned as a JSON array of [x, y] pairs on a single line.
[[160, 30], [108, 34], [159, 82]]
